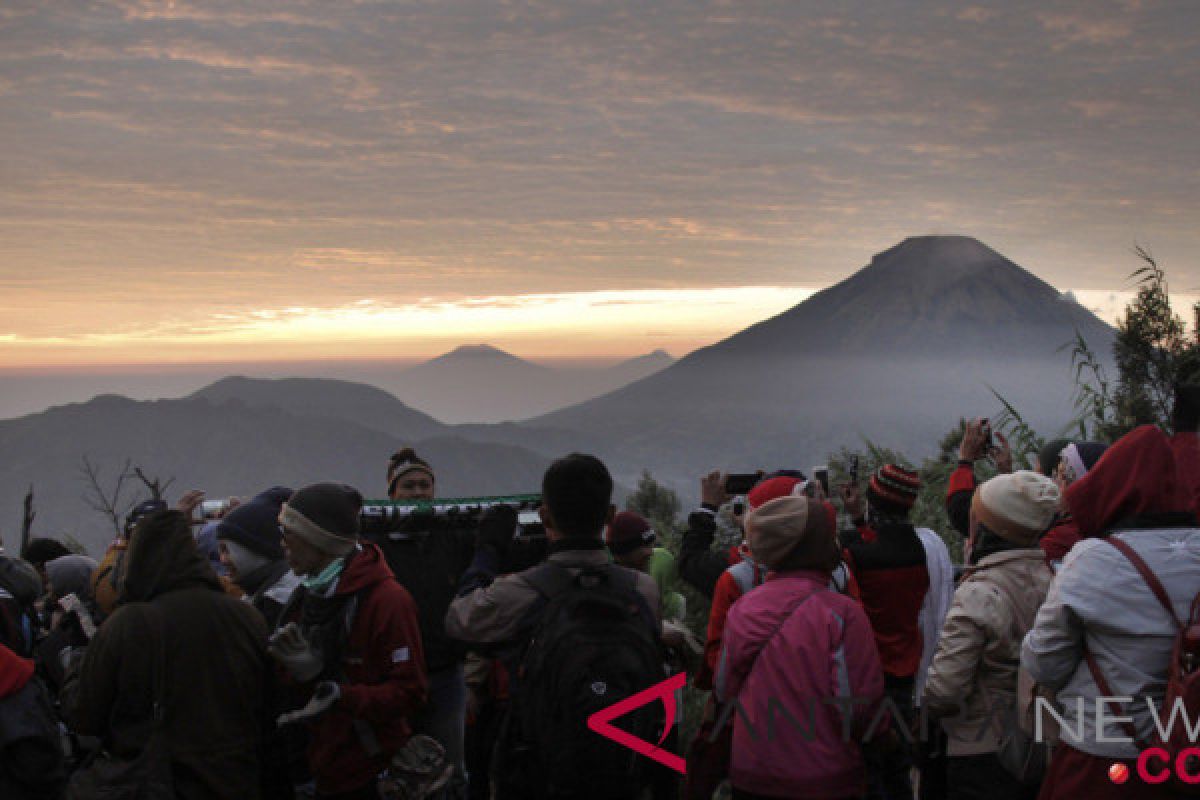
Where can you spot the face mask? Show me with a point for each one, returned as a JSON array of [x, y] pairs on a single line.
[[323, 579]]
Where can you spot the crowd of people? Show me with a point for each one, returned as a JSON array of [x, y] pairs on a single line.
[[282, 650]]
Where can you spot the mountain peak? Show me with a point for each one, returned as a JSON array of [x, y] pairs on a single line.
[[943, 258], [477, 351]]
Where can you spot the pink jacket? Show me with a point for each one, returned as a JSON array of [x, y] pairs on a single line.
[[798, 658]]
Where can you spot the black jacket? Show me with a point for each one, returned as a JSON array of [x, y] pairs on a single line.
[[699, 565], [428, 554], [218, 679]]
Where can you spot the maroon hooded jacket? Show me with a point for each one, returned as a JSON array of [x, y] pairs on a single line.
[[385, 683]]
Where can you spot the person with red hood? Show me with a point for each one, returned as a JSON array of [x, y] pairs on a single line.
[[1099, 605], [350, 638], [31, 756]]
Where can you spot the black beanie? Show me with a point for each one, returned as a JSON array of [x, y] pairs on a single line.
[[325, 515], [255, 523]]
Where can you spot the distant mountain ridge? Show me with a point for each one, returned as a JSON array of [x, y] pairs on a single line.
[[238, 436], [483, 384]]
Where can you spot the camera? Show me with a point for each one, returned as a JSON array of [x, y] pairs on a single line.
[[821, 476], [740, 482], [211, 509]]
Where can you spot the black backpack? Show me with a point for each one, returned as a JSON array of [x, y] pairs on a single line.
[[32, 761], [594, 644]]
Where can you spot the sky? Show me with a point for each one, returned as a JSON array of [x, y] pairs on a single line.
[[227, 181]]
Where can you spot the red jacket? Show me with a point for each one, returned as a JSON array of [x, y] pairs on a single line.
[[733, 583], [385, 682], [15, 672]]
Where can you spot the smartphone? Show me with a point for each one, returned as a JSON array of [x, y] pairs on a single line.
[[740, 482], [853, 474], [821, 476], [986, 427]]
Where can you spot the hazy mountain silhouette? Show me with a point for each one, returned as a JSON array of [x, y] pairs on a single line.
[[895, 353], [256, 434], [483, 384], [319, 397]]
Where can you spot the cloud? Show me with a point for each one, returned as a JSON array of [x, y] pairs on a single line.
[[191, 151]]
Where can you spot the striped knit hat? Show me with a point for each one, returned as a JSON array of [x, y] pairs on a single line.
[[893, 488]]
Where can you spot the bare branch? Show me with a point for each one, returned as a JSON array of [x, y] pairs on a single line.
[[108, 504], [156, 486], [27, 518]]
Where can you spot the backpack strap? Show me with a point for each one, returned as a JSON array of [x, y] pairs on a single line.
[[1160, 593], [1106, 691], [550, 580]]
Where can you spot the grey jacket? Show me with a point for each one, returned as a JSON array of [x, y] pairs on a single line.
[[493, 614], [1098, 597], [973, 679]]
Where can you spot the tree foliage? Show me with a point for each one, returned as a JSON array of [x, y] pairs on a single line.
[[1152, 351]]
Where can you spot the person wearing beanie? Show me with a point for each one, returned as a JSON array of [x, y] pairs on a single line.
[[974, 671], [429, 554], [633, 544], [889, 561], [709, 753], [793, 643], [348, 640], [250, 544], [409, 477], [1124, 590]]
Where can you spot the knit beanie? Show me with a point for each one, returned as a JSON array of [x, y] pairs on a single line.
[[245, 561], [255, 523], [893, 489], [71, 575], [325, 515], [773, 488], [1018, 507], [1081, 457], [1049, 455], [782, 526], [627, 532], [402, 462]]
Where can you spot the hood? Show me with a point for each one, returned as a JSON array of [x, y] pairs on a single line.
[[21, 579], [71, 575], [364, 568], [15, 672], [163, 557], [1135, 476]]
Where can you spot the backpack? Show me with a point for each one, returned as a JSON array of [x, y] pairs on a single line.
[[1183, 676], [32, 760], [594, 644]]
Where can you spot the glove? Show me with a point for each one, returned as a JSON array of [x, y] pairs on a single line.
[[497, 528], [677, 635], [324, 696], [1185, 417], [295, 653]]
